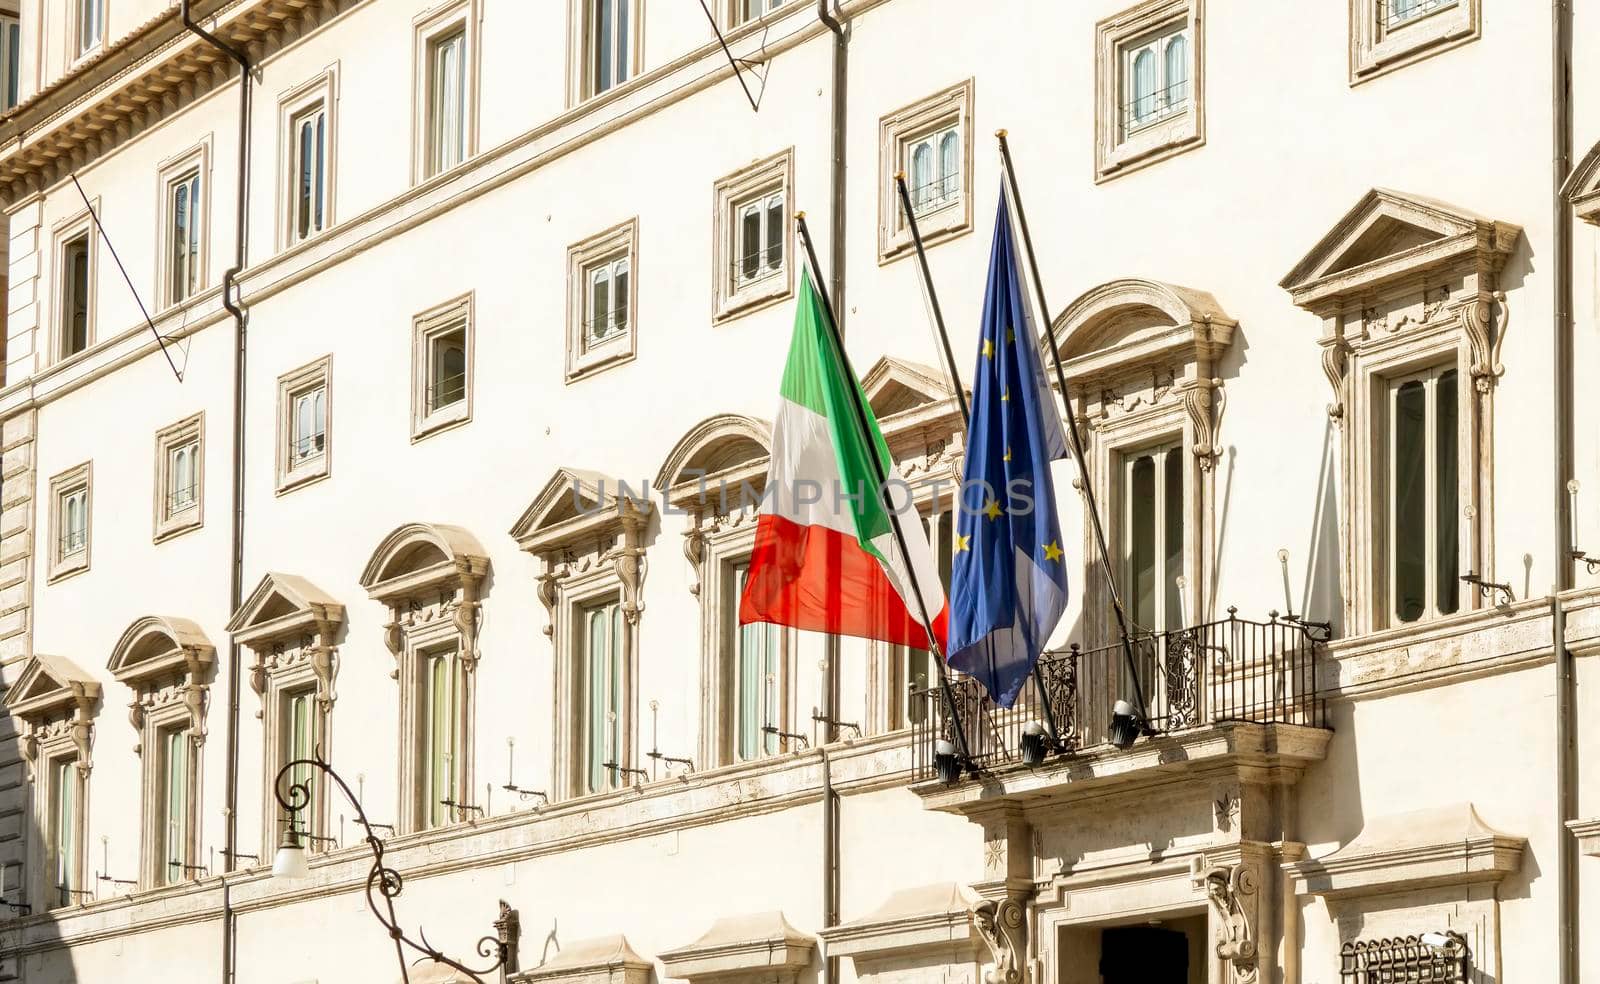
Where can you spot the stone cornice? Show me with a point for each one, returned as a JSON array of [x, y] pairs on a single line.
[[1588, 834], [913, 918], [1429, 848]]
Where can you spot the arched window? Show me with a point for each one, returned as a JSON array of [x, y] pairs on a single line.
[[1177, 88], [921, 174], [949, 165]]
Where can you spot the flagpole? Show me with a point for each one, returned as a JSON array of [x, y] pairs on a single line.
[[936, 314], [883, 489], [1072, 431]]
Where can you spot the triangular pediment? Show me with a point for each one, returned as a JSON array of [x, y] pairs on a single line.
[[48, 684], [576, 502], [895, 386], [280, 605], [1583, 187], [1391, 234]]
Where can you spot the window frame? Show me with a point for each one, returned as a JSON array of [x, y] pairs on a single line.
[[192, 164], [732, 296], [898, 132], [428, 29], [1120, 149], [726, 550], [161, 722], [291, 386], [424, 653], [61, 754], [67, 232], [79, 478], [581, 86], [620, 242], [427, 329], [320, 91], [1377, 47], [10, 61], [77, 51], [1386, 389], [1161, 451], [170, 523]]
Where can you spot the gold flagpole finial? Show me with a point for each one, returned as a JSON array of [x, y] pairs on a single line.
[[800, 215], [1000, 133], [899, 175]]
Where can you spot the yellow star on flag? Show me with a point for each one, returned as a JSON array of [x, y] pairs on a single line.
[[1011, 335], [1008, 455], [1005, 396], [988, 349], [962, 542], [1052, 551], [992, 510]]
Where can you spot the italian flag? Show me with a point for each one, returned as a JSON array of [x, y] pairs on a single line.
[[826, 558]]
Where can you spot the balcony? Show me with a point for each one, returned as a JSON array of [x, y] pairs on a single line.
[[1207, 690]]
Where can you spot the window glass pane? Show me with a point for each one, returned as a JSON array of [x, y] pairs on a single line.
[[597, 670], [1144, 84], [1172, 565], [921, 174], [621, 52], [321, 159], [176, 805], [305, 190], [1177, 82], [64, 831], [13, 46], [449, 383], [604, 41], [750, 242], [1447, 570], [619, 296], [776, 232], [439, 763], [599, 303], [1410, 502], [75, 296], [1142, 541], [949, 164]]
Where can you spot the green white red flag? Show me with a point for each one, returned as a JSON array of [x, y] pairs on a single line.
[[825, 557]]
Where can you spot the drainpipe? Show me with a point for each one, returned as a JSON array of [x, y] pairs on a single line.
[[236, 559], [1561, 229], [830, 684]]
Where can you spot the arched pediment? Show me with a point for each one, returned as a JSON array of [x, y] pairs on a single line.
[[575, 505], [417, 556], [283, 605], [1393, 238], [726, 448], [1129, 324], [157, 645], [49, 685], [1583, 187]]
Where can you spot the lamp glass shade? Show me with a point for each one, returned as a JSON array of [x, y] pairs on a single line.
[[290, 863]]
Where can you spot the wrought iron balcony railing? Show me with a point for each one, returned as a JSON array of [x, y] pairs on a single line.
[[1233, 670]]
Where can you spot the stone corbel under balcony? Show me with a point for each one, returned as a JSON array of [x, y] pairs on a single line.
[[1442, 846], [752, 949]]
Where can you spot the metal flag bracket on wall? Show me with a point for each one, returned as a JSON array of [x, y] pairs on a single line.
[[743, 65]]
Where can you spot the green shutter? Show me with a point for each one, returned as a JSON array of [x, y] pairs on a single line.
[[177, 807]]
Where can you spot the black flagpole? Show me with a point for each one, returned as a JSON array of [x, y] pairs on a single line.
[[1072, 432], [883, 490], [937, 315]]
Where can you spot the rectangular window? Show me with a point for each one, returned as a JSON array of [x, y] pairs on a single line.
[[175, 806], [74, 523], [10, 60], [441, 700], [761, 232], [1152, 529], [610, 51], [749, 10], [447, 369], [91, 24], [298, 727], [76, 271], [757, 680], [180, 473], [65, 843], [915, 669], [305, 417], [447, 88], [606, 316], [309, 131], [602, 695], [602, 279], [310, 433], [183, 478], [1155, 77], [934, 170], [70, 507], [1423, 495], [183, 237], [441, 367]]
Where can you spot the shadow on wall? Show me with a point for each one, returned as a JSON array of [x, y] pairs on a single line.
[[27, 931], [1322, 598]]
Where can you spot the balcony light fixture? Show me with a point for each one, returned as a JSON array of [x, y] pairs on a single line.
[[946, 762], [1035, 744], [1125, 725]]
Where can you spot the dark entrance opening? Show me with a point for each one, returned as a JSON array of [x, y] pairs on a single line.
[[1144, 955]]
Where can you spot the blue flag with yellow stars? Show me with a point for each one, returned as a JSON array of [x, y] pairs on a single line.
[[1008, 584]]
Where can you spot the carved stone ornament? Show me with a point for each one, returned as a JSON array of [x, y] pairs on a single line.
[[694, 551], [1335, 360], [1230, 891], [1197, 405], [55, 700], [1003, 926]]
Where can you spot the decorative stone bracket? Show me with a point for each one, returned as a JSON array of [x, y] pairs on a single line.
[[1003, 925], [1230, 891]]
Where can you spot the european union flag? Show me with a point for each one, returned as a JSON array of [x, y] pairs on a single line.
[[1008, 584]]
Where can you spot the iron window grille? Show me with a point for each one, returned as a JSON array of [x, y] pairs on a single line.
[[183, 498], [73, 541], [758, 266], [932, 195], [447, 391], [310, 445], [1156, 106], [1406, 960], [1399, 13]]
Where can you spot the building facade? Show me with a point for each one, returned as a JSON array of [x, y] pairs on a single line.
[[1303, 264]]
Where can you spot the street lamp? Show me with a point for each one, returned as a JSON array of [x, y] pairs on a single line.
[[383, 883]]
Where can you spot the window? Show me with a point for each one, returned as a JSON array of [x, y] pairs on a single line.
[[90, 17], [310, 197], [1423, 492], [304, 447], [758, 675], [175, 806], [745, 11], [441, 737], [753, 232], [183, 232], [931, 142], [445, 70], [10, 60], [602, 696], [179, 470], [1152, 537], [441, 362], [298, 740], [913, 672], [1389, 34], [602, 271], [447, 119], [65, 832], [609, 27], [77, 286], [1148, 85], [70, 515], [1155, 78]]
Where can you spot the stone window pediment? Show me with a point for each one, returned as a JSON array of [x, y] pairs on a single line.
[[420, 556], [285, 607], [719, 453], [602, 960], [752, 949], [1583, 187], [1440, 846], [927, 917], [1406, 284], [1588, 834], [165, 659], [577, 506], [52, 687]]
